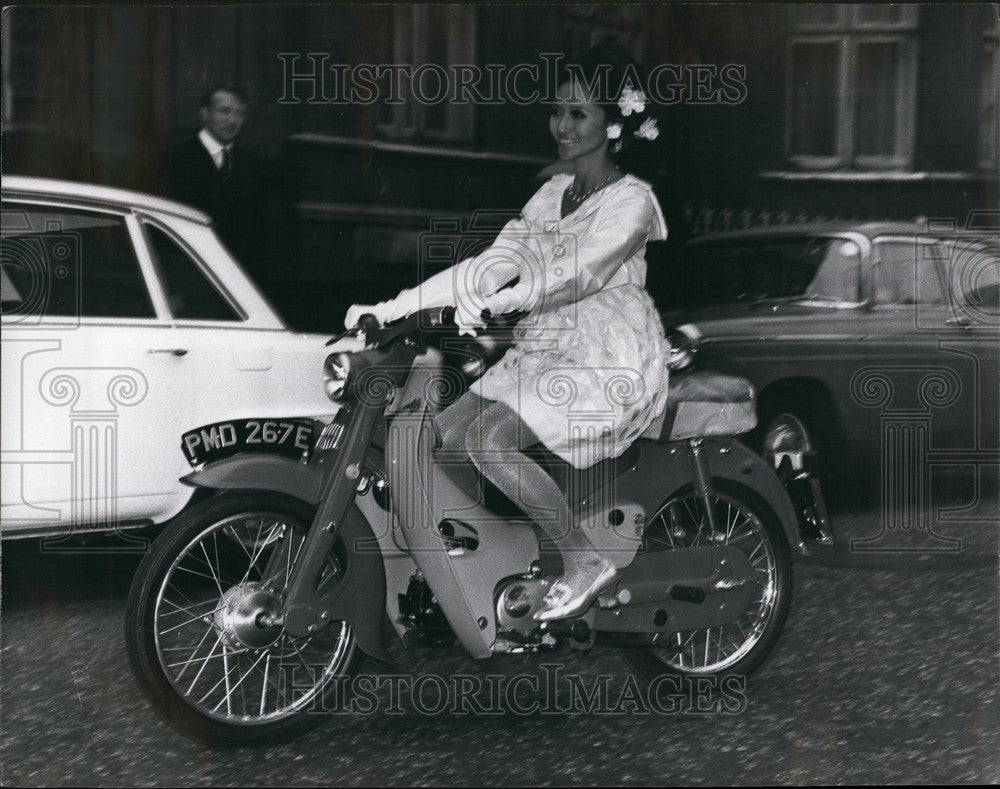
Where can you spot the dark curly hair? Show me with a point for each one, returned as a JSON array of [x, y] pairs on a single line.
[[604, 72]]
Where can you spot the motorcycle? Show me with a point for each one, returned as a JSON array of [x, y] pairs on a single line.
[[269, 588]]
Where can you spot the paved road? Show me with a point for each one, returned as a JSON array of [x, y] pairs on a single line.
[[888, 672]]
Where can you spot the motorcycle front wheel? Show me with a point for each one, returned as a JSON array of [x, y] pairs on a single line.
[[738, 647], [200, 631]]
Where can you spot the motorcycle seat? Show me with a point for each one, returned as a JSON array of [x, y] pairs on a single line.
[[699, 403], [575, 484], [705, 403]]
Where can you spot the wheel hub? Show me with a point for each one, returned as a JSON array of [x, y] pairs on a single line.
[[241, 613]]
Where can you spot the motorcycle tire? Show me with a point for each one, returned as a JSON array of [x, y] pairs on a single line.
[[196, 632], [738, 648]]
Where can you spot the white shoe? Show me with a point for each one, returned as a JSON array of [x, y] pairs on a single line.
[[562, 603]]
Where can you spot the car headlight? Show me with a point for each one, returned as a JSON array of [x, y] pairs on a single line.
[[336, 371], [685, 340]]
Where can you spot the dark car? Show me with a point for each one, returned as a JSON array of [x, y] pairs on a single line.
[[869, 345]]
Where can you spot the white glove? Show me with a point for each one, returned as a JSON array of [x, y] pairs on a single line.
[[468, 319], [385, 312], [520, 298]]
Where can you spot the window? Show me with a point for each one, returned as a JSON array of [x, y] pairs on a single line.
[[21, 63], [907, 273], [68, 263], [620, 24], [45, 69], [989, 87], [807, 269], [189, 295], [435, 37], [974, 278], [851, 85]]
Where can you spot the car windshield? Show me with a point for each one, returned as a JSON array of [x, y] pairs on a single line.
[[826, 269]]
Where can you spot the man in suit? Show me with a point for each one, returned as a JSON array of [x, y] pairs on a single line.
[[211, 172]]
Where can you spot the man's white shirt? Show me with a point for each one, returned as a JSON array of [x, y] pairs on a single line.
[[214, 147]]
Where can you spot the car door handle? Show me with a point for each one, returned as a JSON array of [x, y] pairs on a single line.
[[962, 323], [172, 351]]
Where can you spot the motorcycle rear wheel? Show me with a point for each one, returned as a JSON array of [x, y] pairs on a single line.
[[196, 632], [736, 648]]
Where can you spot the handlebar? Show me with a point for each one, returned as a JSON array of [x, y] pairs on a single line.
[[418, 323], [368, 324], [414, 328]]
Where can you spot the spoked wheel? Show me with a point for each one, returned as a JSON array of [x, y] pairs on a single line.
[[200, 629], [738, 647]]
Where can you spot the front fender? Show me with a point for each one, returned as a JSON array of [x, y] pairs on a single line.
[[259, 472], [360, 597]]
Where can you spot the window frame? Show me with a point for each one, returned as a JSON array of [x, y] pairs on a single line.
[[906, 116], [990, 51], [7, 68], [838, 24], [850, 33], [758, 243], [907, 21], [932, 260], [141, 221], [146, 273], [409, 42], [814, 161]]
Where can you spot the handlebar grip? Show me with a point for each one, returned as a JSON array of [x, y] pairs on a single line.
[[368, 323]]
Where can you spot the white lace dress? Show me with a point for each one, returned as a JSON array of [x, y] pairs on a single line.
[[587, 372]]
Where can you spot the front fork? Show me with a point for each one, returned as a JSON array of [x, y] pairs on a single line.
[[304, 611]]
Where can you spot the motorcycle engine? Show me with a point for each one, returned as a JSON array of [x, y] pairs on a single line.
[[517, 603], [419, 612]]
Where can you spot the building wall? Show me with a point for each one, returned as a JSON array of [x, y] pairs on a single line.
[[98, 93]]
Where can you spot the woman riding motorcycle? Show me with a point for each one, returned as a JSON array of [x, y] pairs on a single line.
[[586, 375]]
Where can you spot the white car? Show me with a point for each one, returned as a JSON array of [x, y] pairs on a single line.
[[126, 323]]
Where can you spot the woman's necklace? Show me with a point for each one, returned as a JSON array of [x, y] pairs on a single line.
[[578, 197]]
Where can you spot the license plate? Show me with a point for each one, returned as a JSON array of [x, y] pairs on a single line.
[[289, 437]]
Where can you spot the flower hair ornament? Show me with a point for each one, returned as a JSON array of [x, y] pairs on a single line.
[[631, 100], [647, 131]]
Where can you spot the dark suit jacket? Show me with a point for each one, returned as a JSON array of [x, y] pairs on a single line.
[[236, 204]]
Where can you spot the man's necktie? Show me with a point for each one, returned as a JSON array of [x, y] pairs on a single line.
[[227, 164]]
